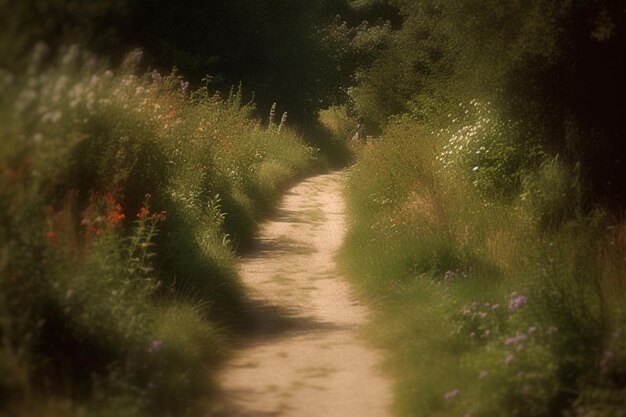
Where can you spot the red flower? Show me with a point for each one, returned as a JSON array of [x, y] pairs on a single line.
[[52, 236], [143, 213], [115, 217]]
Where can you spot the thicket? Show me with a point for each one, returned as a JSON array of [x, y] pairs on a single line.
[[296, 54], [123, 197], [488, 227]]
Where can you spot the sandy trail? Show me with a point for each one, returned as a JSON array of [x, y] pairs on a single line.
[[304, 356]]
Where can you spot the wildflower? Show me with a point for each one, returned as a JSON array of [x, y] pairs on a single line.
[[155, 346], [71, 55], [517, 339], [517, 301], [508, 359], [483, 315], [184, 85], [486, 333], [52, 236], [495, 306], [552, 330], [510, 341], [532, 329], [283, 122], [143, 213], [115, 217], [132, 59], [451, 394], [483, 374]]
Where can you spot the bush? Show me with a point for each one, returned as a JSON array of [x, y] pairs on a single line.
[[123, 198], [494, 293]]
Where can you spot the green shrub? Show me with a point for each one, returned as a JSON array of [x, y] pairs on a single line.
[[494, 294], [123, 199]]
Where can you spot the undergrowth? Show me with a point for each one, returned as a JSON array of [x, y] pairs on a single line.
[[495, 291], [123, 198]]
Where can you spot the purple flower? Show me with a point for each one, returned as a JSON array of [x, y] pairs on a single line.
[[184, 85], [483, 315], [517, 301], [532, 329], [448, 275], [451, 394], [495, 306], [508, 359], [155, 346], [514, 340], [510, 341]]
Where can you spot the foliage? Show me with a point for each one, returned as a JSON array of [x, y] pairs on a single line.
[[297, 54], [503, 303], [553, 71], [123, 198]]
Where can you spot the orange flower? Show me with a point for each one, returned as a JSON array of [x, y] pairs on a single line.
[[143, 213], [52, 236], [115, 217]]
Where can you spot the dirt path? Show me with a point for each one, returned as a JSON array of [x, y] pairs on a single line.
[[304, 357]]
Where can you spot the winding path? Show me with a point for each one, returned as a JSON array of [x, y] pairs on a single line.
[[304, 356]]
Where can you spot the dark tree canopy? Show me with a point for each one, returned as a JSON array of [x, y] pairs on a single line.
[[554, 69]]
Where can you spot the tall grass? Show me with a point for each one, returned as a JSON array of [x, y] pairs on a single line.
[[123, 197], [495, 291]]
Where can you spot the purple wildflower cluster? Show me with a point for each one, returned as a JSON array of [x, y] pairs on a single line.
[[479, 319], [451, 275], [517, 300], [518, 340]]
